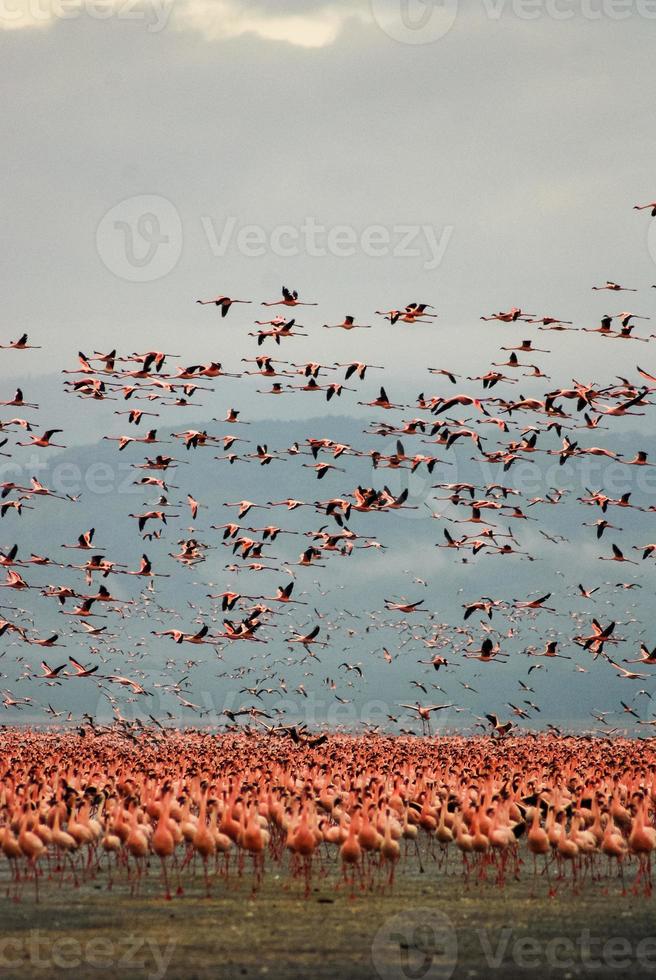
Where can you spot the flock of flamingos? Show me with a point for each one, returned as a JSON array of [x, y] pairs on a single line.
[[81, 800]]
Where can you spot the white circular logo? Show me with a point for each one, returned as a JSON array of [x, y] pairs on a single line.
[[651, 239], [140, 239], [418, 944], [415, 21]]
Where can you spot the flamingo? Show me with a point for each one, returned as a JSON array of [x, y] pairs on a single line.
[[424, 712], [225, 302], [20, 344], [43, 441], [348, 323], [289, 298]]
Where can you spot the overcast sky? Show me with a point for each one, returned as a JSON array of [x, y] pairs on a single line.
[[513, 146]]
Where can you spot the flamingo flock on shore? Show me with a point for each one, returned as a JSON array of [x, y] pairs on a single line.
[[348, 811]]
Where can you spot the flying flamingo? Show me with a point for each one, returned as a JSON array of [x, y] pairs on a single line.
[[43, 441], [20, 344], [225, 302], [348, 323], [424, 712], [289, 298]]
